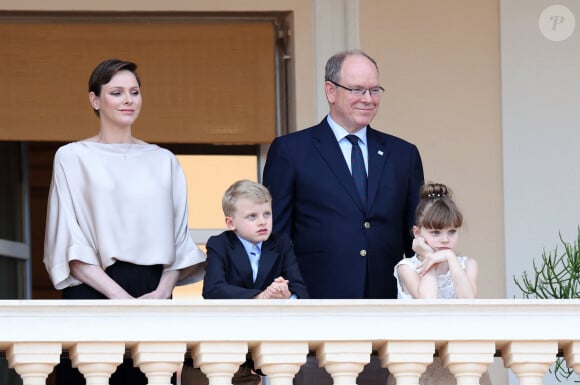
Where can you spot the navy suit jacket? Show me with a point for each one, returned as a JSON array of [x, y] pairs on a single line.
[[344, 250], [228, 274]]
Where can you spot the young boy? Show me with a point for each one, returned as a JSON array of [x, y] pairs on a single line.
[[247, 261]]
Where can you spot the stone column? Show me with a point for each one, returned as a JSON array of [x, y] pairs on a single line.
[[467, 360], [280, 360], [34, 361], [407, 360], [530, 360], [219, 360], [344, 360], [97, 360], [159, 360]]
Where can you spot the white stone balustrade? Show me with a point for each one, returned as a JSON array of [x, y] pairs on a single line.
[[280, 361], [33, 361], [407, 360], [97, 360], [344, 360], [159, 360], [219, 360], [466, 334], [530, 360], [467, 360]]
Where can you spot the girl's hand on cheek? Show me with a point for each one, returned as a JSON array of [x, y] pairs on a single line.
[[421, 247]]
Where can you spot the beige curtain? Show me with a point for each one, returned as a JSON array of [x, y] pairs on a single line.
[[202, 82]]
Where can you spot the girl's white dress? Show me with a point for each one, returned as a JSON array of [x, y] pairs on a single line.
[[444, 282], [435, 374]]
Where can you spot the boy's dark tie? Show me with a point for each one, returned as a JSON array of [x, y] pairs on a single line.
[[357, 165]]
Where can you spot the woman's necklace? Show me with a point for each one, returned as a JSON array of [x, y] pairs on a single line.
[[128, 148], [126, 153]]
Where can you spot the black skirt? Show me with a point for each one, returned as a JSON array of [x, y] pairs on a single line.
[[137, 280]]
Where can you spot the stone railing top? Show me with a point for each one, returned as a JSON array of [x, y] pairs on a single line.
[[379, 321]]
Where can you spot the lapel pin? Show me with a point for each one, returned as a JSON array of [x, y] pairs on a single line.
[[380, 153]]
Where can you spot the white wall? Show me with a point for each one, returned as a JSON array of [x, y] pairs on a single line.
[[541, 133]]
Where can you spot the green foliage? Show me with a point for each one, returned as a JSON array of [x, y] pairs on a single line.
[[557, 276]]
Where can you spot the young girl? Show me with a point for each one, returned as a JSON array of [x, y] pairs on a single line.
[[436, 271]]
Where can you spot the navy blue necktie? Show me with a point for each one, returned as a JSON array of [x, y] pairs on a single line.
[[357, 165]]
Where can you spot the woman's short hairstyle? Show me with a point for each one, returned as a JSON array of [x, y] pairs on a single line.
[[104, 72]]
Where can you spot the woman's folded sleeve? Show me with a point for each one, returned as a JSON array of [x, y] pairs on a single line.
[[64, 238]]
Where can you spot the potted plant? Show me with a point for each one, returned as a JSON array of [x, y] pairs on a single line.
[[556, 276]]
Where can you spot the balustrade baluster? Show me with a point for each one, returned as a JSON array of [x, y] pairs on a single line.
[[280, 360], [467, 360], [219, 360], [34, 361], [159, 360], [344, 360], [530, 360], [97, 361], [407, 360]]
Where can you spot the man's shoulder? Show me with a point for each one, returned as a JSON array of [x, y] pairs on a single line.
[[389, 138], [304, 134]]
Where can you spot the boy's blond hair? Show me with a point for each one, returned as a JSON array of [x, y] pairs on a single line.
[[244, 188]]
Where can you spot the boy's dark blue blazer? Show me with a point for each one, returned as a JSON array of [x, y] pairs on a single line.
[[228, 272]]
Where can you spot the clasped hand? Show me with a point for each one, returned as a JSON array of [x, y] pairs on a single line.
[[156, 294], [278, 289]]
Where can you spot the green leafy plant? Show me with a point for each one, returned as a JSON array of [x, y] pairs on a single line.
[[556, 276]]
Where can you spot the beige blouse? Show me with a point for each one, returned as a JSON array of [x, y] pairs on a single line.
[[109, 202]]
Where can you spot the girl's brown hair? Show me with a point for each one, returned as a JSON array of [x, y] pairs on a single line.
[[436, 208]]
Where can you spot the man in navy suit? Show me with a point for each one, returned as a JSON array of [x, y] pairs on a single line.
[[347, 244]]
